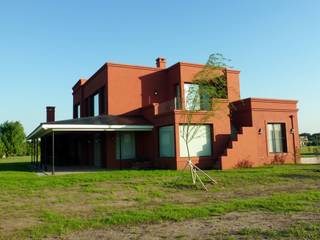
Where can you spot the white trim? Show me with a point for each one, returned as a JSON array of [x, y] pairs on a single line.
[[43, 129]]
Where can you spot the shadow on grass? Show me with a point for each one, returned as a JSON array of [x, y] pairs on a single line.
[[302, 176], [186, 184], [15, 166]]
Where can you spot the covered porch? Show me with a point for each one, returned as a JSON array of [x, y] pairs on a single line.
[[92, 143]]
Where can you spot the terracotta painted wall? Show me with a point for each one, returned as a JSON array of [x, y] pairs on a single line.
[[255, 114]]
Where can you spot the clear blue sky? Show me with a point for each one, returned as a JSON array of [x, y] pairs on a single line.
[[46, 46]]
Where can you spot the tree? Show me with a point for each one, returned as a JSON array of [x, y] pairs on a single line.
[[13, 138], [201, 101], [2, 152]]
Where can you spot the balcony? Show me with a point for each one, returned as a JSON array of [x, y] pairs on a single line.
[[176, 104], [168, 106]]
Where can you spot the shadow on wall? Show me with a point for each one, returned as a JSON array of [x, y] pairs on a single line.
[[154, 88]]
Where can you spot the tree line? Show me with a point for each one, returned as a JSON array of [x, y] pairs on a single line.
[[310, 139], [13, 140]]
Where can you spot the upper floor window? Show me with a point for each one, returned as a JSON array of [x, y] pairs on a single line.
[[191, 96], [196, 97], [96, 106], [277, 141], [78, 111]]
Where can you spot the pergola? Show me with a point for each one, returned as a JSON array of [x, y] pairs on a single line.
[[90, 124]]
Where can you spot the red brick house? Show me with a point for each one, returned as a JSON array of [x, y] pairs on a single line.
[[127, 116]]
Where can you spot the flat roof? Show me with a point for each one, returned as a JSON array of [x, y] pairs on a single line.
[[93, 124]]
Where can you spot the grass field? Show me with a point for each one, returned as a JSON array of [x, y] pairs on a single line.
[[310, 151], [274, 202]]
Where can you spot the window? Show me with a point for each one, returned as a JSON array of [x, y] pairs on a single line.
[[196, 98], [95, 107], [199, 143], [177, 99], [166, 141], [191, 96], [78, 111], [277, 138], [125, 145]]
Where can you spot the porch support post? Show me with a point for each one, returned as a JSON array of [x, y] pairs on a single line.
[[34, 152], [37, 162], [45, 153], [31, 153], [53, 171]]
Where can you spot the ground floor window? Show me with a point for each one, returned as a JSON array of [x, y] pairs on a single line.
[[125, 145], [277, 142], [166, 141], [198, 138]]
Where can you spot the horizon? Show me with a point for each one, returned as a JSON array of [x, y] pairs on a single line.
[[46, 47]]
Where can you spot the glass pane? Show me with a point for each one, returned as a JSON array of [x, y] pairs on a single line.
[[198, 138], [166, 141], [78, 111], [125, 145], [270, 138], [191, 96], [96, 105], [276, 137]]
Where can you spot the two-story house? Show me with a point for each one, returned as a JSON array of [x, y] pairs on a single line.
[[127, 116]]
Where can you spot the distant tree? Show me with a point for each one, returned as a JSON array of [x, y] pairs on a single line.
[[13, 138], [315, 138], [2, 149]]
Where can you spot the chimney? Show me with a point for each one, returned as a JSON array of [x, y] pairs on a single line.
[[161, 62], [50, 114]]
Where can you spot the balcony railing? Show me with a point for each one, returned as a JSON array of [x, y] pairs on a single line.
[[169, 106], [175, 104]]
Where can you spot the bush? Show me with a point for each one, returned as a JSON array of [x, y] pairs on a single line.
[[244, 164], [278, 159]]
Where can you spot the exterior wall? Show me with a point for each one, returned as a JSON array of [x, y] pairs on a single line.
[[252, 117], [150, 92], [130, 88], [84, 89]]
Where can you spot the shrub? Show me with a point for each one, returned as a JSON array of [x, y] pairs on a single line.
[[278, 159], [244, 164]]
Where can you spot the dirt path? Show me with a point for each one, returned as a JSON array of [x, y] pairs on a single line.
[[222, 227]]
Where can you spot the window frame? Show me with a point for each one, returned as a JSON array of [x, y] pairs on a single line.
[[284, 141], [210, 144], [173, 141]]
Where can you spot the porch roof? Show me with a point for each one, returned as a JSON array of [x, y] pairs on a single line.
[[93, 124]]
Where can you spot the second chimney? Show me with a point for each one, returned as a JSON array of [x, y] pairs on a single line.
[[50, 114], [161, 62]]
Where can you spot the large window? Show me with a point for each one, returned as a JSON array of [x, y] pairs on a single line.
[[166, 141], [277, 138], [198, 138], [125, 145]]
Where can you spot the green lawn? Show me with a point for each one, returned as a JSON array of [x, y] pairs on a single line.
[[36, 207], [310, 151]]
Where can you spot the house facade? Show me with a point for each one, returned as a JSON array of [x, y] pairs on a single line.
[[127, 116]]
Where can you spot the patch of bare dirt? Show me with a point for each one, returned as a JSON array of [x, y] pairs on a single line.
[[210, 228]]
